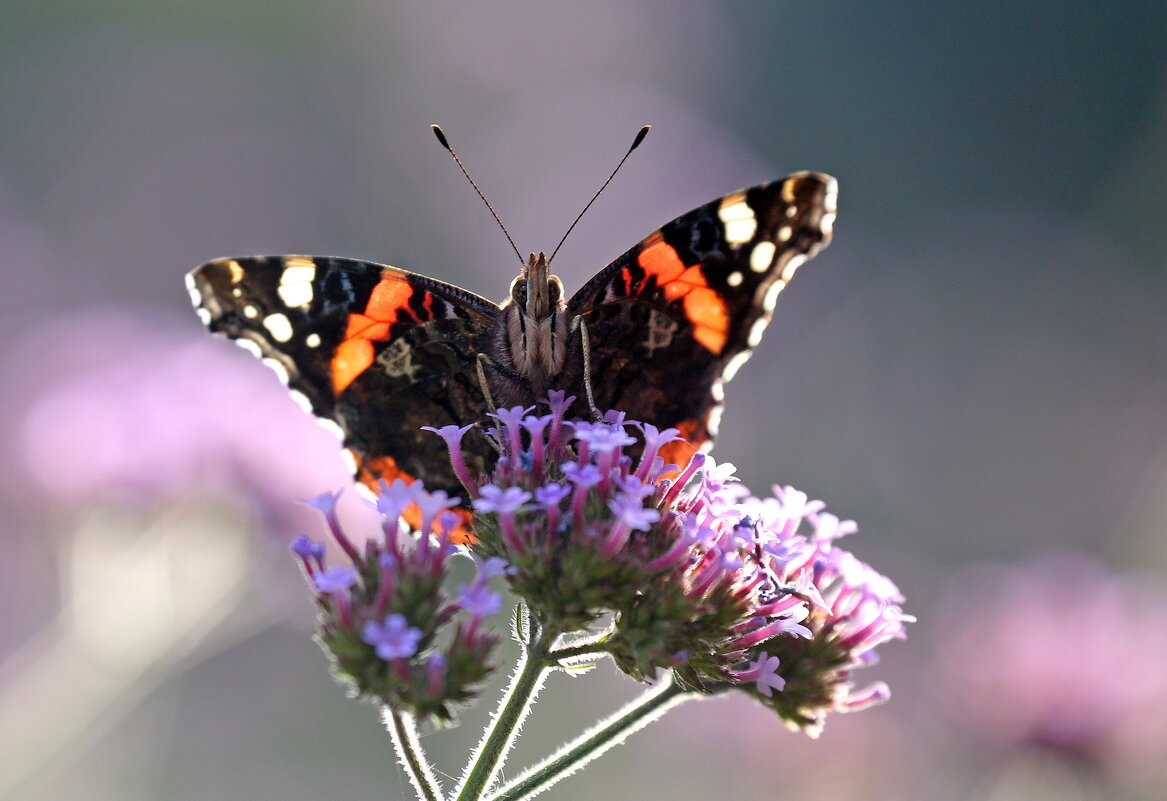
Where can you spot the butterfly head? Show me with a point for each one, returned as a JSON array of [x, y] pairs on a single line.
[[534, 323], [535, 292]]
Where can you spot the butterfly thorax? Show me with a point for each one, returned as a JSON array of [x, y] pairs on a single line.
[[533, 327]]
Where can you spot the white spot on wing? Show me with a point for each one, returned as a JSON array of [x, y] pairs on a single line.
[[734, 365], [718, 391], [740, 231], [296, 281], [250, 347], [278, 325], [792, 264], [250, 312], [771, 299], [738, 218], [195, 296], [312, 340], [332, 427], [301, 400], [236, 271], [756, 331], [203, 315], [762, 256], [734, 278], [295, 296], [278, 368], [713, 423]]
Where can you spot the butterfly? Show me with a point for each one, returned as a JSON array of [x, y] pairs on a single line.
[[377, 352]]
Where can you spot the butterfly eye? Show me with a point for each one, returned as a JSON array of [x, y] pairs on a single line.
[[554, 290], [519, 292]]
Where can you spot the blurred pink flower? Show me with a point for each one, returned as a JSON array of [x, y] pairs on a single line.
[[112, 407], [1061, 654]]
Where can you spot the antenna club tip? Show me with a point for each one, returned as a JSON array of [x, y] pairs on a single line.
[[441, 136], [643, 132]]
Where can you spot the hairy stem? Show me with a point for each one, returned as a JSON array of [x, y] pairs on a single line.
[[594, 742], [412, 757], [500, 735]]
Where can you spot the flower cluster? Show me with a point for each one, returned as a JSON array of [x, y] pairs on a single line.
[[1061, 654], [679, 565], [394, 635]]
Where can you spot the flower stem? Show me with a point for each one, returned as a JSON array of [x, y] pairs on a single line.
[[513, 709], [590, 648], [591, 744], [409, 752]]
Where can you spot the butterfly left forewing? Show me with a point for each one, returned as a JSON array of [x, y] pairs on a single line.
[[671, 320], [374, 351]]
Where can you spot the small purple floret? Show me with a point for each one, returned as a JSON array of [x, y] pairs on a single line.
[[479, 600], [392, 639], [500, 501], [307, 548], [335, 579]]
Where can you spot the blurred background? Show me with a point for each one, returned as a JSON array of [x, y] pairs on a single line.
[[975, 371]]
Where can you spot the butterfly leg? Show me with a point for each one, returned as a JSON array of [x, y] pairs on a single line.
[[502, 386], [578, 325], [484, 362]]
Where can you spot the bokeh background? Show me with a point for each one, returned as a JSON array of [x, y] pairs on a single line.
[[976, 370]]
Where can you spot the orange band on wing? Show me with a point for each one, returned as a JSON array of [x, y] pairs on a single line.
[[387, 301], [704, 309], [710, 319], [660, 259]]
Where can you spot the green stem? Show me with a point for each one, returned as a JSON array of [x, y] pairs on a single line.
[[503, 729], [409, 752], [590, 648], [591, 744]]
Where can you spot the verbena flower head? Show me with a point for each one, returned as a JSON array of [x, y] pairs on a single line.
[[385, 619], [681, 567], [1061, 654]]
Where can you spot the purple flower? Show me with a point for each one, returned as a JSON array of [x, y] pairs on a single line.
[[1061, 654], [392, 500], [478, 600], [392, 639], [654, 440], [501, 501], [511, 421], [325, 503], [558, 405], [551, 494], [335, 579], [630, 513], [763, 671], [431, 505], [536, 428], [828, 527], [452, 434], [307, 548], [489, 568], [604, 437]]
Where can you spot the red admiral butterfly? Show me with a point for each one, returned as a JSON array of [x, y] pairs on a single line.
[[378, 352]]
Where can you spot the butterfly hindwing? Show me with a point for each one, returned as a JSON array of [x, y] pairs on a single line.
[[672, 319], [379, 351]]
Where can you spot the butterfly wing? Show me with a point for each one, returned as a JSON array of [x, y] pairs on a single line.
[[671, 320], [378, 351]]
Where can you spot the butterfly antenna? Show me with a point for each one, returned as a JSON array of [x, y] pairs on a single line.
[[643, 132], [442, 138]]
